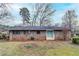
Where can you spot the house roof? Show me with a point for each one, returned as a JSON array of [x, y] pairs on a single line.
[[36, 28]]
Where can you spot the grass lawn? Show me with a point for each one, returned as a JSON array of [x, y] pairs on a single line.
[[37, 48]]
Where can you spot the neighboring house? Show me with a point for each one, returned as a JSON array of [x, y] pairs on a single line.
[[38, 33]]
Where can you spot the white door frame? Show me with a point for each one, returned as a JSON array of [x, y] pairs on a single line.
[[50, 38]]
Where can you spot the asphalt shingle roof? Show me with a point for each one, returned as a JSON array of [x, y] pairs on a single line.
[[36, 28]]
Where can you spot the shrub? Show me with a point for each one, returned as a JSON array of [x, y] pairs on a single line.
[[75, 40], [32, 38], [4, 36]]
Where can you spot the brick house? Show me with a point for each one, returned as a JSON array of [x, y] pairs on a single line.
[[24, 33]]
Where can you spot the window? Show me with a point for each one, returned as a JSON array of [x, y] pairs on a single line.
[[16, 32], [24, 32], [28, 32], [38, 32]]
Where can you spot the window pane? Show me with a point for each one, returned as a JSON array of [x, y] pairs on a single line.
[[38, 32], [16, 32], [24, 32]]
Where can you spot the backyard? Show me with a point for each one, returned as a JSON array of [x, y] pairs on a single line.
[[39, 48]]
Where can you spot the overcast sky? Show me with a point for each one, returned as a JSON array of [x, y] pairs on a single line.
[[56, 18]]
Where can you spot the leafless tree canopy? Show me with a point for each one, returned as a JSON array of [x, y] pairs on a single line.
[[69, 19], [5, 15], [42, 13]]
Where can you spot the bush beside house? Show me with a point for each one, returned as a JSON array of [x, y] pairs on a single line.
[[4, 36], [75, 40]]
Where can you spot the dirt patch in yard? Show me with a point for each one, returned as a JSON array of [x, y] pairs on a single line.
[[38, 44], [37, 47]]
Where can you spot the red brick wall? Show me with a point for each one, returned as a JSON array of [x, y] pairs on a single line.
[[59, 35], [27, 36]]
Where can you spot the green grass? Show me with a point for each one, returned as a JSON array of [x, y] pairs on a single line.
[[66, 51], [39, 48]]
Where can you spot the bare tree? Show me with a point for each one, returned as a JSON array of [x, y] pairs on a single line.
[[24, 12], [69, 20], [5, 14], [42, 13]]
